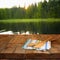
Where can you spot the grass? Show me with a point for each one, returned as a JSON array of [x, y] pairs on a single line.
[[29, 20]]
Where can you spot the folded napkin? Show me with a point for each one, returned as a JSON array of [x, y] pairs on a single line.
[[46, 46]]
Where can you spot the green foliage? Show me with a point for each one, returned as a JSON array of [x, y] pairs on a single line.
[[29, 20], [44, 9]]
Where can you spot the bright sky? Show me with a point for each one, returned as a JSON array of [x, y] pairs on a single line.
[[22, 3]]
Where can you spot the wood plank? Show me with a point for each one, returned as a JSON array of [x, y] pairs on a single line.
[[4, 41], [13, 44], [9, 48], [19, 49], [18, 39], [54, 50]]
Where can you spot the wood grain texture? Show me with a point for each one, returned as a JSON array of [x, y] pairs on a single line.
[[11, 46]]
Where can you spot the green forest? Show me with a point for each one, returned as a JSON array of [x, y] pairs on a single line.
[[44, 9]]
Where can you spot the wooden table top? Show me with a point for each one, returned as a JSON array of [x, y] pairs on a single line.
[[11, 46]]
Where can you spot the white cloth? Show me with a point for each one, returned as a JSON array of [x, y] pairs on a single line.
[[46, 46]]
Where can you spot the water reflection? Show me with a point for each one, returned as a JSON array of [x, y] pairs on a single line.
[[32, 27]]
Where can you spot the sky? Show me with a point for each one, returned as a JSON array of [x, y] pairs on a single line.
[[21, 3]]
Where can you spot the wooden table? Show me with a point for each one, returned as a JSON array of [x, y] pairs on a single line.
[[11, 47]]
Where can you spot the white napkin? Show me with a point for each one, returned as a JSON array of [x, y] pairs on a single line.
[[46, 46]]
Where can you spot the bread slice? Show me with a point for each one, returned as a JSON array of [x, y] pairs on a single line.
[[33, 43], [40, 44]]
